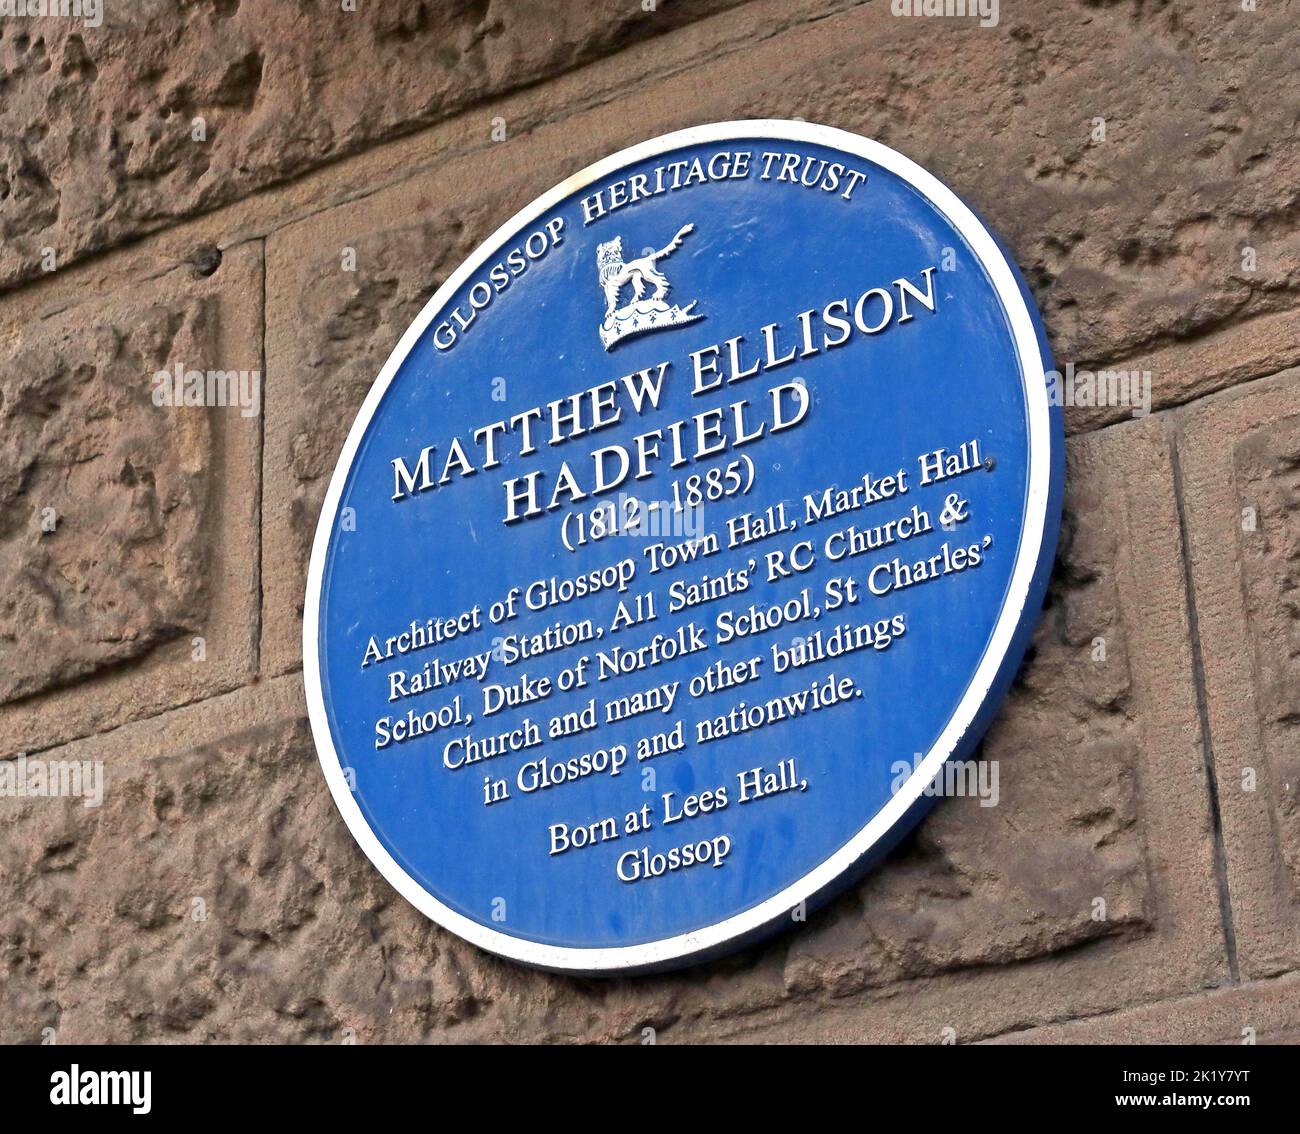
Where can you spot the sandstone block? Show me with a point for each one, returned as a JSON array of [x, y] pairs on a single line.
[[129, 558], [1240, 456]]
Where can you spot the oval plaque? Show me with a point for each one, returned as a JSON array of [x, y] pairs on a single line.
[[701, 516]]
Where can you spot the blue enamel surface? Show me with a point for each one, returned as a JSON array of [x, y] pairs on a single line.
[[760, 252]]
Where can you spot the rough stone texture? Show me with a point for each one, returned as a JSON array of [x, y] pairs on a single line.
[[124, 521], [98, 123], [1222, 357], [1261, 1012], [1240, 455], [1130, 241], [244, 914], [87, 452]]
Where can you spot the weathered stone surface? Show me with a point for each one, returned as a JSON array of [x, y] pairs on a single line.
[[1125, 258], [99, 124], [116, 510], [1238, 351], [1263, 1012], [1007, 883], [213, 895], [86, 453], [1241, 474]]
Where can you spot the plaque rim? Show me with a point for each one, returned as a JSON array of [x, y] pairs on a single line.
[[984, 690]]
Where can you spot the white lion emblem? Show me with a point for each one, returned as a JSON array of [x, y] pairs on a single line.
[[641, 312]]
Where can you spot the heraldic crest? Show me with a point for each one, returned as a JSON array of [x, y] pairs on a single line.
[[642, 312]]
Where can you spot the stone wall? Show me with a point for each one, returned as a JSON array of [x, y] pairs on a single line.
[[182, 184]]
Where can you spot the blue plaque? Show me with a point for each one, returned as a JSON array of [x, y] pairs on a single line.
[[695, 526]]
